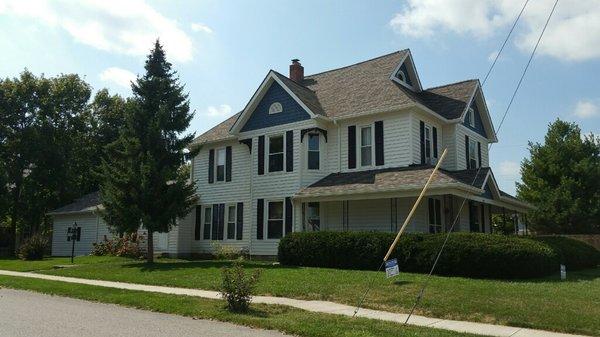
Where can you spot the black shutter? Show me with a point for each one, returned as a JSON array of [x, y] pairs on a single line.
[[240, 221], [260, 214], [198, 223], [215, 222], [288, 215], [352, 146], [435, 150], [228, 163], [422, 140], [482, 218], [221, 221], [467, 150], [211, 166], [261, 155], [379, 143], [207, 225], [479, 153], [289, 151], [78, 233]]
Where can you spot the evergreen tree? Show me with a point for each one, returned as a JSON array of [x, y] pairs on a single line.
[[141, 183], [562, 179]]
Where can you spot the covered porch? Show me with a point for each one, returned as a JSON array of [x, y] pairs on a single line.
[[380, 200]]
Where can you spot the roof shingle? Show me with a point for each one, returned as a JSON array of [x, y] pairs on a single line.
[[80, 204]]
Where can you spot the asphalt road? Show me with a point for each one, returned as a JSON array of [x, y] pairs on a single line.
[[28, 314]]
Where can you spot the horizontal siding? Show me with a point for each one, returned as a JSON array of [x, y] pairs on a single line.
[[93, 230], [416, 119], [461, 131]]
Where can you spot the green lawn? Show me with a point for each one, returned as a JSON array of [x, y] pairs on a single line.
[[549, 304], [285, 319]]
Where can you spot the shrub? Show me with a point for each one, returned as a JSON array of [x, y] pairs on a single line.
[[224, 252], [237, 287], [466, 254], [130, 245], [34, 247], [572, 253]]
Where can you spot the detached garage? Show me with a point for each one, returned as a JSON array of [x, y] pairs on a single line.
[[92, 228]]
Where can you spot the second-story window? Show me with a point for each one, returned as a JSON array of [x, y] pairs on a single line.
[[366, 146], [428, 144], [473, 154], [472, 117], [221, 164], [276, 153], [313, 151]]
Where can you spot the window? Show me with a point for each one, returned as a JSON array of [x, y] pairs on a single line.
[[401, 76], [275, 108], [275, 153], [313, 151], [474, 217], [207, 222], [435, 216], [428, 144], [231, 213], [313, 217], [473, 154], [366, 147], [275, 220], [472, 117], [221, 164]]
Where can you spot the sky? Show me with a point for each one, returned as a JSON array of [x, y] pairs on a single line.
[[222, 50]]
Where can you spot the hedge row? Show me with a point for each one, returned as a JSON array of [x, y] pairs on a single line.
[[466, 254], [574, 254]]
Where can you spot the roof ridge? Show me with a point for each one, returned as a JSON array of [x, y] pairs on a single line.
[[357, 63], [289, 79], [453, 83]]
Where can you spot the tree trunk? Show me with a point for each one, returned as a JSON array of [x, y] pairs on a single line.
[[150, 248]]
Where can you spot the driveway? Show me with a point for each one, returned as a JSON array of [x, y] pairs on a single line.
[[29, 314]]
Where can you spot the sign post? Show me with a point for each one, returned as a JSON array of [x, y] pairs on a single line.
[[73, 235]]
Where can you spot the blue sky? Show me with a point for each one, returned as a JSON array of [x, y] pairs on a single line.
[[222, 50]]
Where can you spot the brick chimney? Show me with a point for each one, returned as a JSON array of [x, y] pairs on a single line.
[[296, 71]]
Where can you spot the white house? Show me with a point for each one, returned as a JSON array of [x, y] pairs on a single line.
[[345, 149]]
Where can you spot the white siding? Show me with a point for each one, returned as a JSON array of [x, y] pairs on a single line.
[[93, 229], [416, 119]]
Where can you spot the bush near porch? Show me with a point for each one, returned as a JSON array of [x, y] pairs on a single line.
[[466, 254]]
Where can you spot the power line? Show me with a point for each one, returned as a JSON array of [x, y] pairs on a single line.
[[420, 295], [504, 43]]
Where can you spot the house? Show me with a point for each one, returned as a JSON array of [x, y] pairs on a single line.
[[91, 228], [345, 149]]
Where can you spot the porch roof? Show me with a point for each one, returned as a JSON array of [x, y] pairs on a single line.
[[394, 179]]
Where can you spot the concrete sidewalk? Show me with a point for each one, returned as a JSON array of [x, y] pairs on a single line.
[[316, 306]]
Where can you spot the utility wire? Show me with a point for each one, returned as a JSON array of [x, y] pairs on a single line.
[[504, 43], [420, 295]]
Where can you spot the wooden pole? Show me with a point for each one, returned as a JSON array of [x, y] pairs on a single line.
[[414, 208]]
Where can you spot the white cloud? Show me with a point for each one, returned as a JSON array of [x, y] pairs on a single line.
[[586, 109], [122, 27], [573, 33], [510, 169], [200, 27], [222, 110], [119, 76]]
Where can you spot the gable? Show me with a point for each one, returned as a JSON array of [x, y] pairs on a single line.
[[478, 125], [405, 74], [291, 111]]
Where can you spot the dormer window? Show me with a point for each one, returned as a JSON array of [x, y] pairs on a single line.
[[472, 117], [401, 75], [275, 108]]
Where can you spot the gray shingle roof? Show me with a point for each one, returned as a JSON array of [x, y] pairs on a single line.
[[390, 179], [363, 88], [80, 204]]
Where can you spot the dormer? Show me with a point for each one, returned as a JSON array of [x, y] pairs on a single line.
[[477, 118], [405, 73]]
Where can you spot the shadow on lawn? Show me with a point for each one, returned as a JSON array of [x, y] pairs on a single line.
[[207, 264]]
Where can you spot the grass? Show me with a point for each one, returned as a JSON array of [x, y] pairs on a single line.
[[548, 304], [285, 319]]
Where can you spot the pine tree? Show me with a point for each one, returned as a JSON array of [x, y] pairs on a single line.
[[141, 183]]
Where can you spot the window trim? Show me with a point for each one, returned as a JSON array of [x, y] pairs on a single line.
[[308, 151], [471, 112], [208, 208], [268, 153], [360, 146], [216, 168], [274, 104], [267, 218], [473, 145], [428, 129], [441, 215], [228, 221], [307, 215]]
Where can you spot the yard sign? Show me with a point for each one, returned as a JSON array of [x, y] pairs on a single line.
[[391, 268]]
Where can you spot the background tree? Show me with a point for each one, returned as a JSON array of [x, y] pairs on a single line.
[[141, 180], [562, 179]]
